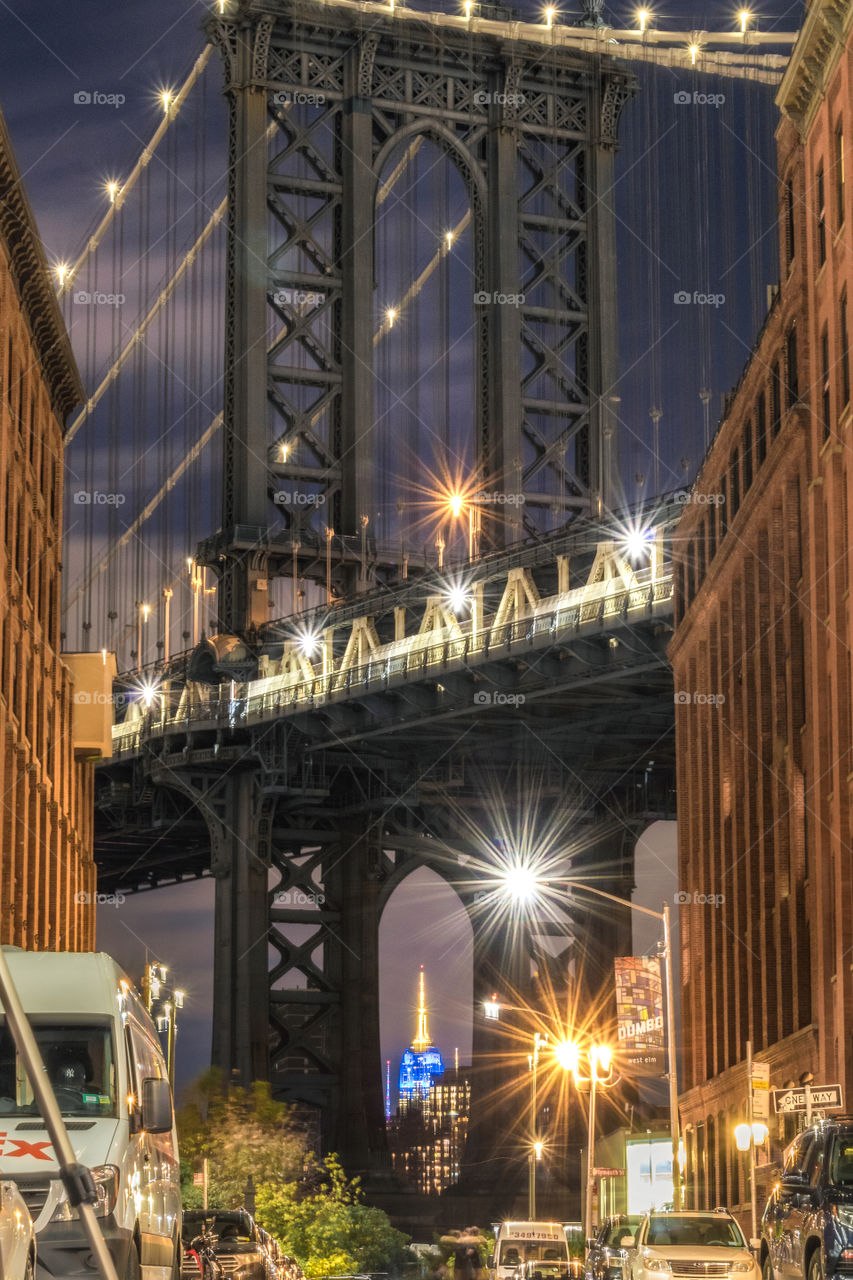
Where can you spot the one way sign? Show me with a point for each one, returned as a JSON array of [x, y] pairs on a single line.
[[824, 1097]]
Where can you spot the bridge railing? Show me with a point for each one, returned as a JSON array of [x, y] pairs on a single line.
[[237, 704]]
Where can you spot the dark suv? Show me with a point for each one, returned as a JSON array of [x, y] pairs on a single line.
[[239, 1248], [604, 1256], [807, 1228]]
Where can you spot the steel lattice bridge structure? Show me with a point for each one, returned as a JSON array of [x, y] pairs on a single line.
[[310, 764]]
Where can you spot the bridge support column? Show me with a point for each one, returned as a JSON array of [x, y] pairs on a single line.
[[500, 455], [240, 965], [494, 1157], [357, 443], [353, 881]]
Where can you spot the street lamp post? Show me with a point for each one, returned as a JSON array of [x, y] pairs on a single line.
[[539, 1041], [670, 1025]]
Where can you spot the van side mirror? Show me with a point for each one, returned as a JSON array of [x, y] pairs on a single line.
[[156, 1105], [628, 1242], [755, 1243]]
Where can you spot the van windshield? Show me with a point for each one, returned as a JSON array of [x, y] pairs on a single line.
[[80, 1065], [514, 1252]]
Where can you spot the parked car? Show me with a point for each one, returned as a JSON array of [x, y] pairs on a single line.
[[237, 1243], [605, 1254], [689, 1245], [807, 1227], [17, 1238]]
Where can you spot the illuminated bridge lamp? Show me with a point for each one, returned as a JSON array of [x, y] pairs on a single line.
[[469, 8], [166, 100], [112, 191], [642, 19], [693, 50], [549, 16], [391, 314], [744, 17]]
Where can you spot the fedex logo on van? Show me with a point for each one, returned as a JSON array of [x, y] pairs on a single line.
[[13, 1148]]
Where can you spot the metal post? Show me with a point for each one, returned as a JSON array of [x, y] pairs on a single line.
[[204, 1184], [76, 1178], [167, 611], [590, 1152], [807, 1089], [294, 607], [752, 1196], [673, 1077], [170, 1042], [531, 1159]]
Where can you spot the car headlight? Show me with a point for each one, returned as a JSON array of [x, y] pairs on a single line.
[[105, 1178], [746, 1265], [657, 1264], [844, 1214]]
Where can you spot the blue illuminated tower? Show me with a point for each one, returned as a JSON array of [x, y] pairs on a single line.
[[421, 1065]]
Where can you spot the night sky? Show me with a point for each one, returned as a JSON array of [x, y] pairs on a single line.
[[696, 210]]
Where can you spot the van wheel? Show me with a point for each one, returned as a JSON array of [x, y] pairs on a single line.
[[133, 1271], [767, 1269], [816, 1266]]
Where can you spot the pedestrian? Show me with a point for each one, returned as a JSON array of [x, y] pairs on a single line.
[[467, 1262]]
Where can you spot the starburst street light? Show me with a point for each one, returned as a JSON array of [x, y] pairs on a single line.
[[637, 542], [550, 14], [744, 17], [458, 599], [642, 19], [520, 882]]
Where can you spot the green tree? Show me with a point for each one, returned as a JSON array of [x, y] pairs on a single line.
[[240, 1131], [329, 1229]]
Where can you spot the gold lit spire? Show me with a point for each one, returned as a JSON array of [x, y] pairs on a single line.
[[422, 1040]]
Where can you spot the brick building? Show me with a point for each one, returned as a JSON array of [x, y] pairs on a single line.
[[761, 657], [48, 740]]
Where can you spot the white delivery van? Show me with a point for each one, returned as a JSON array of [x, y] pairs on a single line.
[[520, 1242], [104, 1061]]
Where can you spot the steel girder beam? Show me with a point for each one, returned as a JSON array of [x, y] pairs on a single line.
[[532, 137]]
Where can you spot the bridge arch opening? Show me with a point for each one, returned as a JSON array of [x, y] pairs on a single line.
[[427, 332], [424, 923]]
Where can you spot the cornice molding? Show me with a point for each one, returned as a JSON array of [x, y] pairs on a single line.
[[31, 275], [824, 35]]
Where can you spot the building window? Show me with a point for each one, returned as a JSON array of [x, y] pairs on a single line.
[[776, 399], [821, 217], [734, 485], [792, 385], [824, 374], [789, 223], [761, 428], [839, 176], [844, 339]]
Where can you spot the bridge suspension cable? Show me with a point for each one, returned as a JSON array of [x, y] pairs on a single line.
[[121, 191]]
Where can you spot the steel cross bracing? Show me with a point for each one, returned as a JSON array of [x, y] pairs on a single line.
[[532, 132], [308, 814]]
